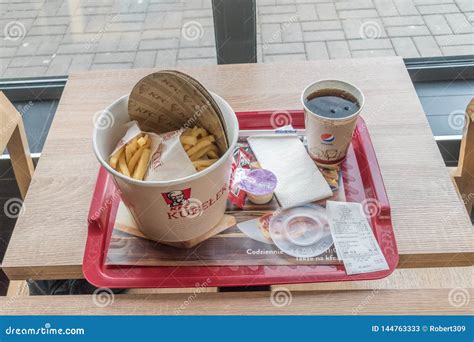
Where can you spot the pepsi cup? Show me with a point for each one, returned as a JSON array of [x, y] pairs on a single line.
[[331, 109]]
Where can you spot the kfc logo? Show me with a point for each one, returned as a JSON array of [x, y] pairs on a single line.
[[176, 198]]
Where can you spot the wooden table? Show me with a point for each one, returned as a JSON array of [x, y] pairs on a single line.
[[430, 222]]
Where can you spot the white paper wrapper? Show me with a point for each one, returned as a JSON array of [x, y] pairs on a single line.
[[168, 158]]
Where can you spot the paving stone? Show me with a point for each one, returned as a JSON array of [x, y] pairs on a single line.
[[111, 66], [27, 61], [3, 65], [271, 33], [81, 62], [459, 23], [24, 71], [427, 46], [283, 48], [207, 39], [166, 57], [261, 3], [196, 62], [438, 9], [76, 48], [92, 10], [326, 11], [52, 21], [367, 13], [75, 38], [47, 30], [437, 24], [292, 32], [276, 9], [116, 57], [164, 20], [407, 31], [403, 21], [465, 5], [372, 53], [284, 58], [405, 7], [138, 6], [124, 27], [171, 43], [129, 41], [370, 44], [276, 18], [129, 17], [108, 42], [190, 4], [323, 35], [144, 59], [351, 5], [94, 23], [285, 2], [19, 14], [321, 25], [470, 16], [47, 48], [405, 47], [25, 49], [432, 2], [163, 6], [338, 49], [458, 50], [59, 65], [363, 28], [316, 50], [197, 14], [459, 39], [306, 12], [201, 52], [385, 8], [159, 34]]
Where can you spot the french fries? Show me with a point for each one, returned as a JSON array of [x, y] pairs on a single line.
[[200, 147], [132, 159]]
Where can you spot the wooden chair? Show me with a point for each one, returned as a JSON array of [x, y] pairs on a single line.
[[13, 136], [464, 173]]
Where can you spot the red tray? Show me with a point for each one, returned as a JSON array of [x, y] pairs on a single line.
[[362, 181]]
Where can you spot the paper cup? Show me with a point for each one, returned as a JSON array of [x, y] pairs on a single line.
[[329, 138], [173, 211]]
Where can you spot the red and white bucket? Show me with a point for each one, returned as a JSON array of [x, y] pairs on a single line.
[[176, 211]]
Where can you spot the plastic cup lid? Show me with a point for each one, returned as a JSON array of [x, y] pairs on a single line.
[[259, 182], [302, 232]]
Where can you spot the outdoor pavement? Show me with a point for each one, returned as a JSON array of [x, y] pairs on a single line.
[[52, 37]]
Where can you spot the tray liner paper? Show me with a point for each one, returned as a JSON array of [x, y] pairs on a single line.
[[128, 246]]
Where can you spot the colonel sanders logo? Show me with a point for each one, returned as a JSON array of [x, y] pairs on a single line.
[[176, 198]]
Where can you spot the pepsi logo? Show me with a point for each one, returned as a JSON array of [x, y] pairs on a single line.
[[327, 138]]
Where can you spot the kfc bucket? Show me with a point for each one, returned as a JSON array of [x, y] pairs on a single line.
[[175, 211]]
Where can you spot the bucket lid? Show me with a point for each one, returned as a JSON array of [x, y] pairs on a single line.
[[168, 100]]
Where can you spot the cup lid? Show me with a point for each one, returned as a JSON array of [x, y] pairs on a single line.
[[302, 232]]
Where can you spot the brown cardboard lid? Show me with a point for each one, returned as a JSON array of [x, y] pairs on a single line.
[[168, 100]]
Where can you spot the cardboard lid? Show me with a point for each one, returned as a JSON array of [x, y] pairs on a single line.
[[168, 100]]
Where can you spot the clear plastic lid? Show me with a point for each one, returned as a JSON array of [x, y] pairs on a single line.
[[302, 232]]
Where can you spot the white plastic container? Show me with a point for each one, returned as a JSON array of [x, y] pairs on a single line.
[[173, 211]]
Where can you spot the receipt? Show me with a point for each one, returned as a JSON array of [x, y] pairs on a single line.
[[353, 238]]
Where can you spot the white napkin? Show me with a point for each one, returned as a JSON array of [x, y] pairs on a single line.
[[299, 180]]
